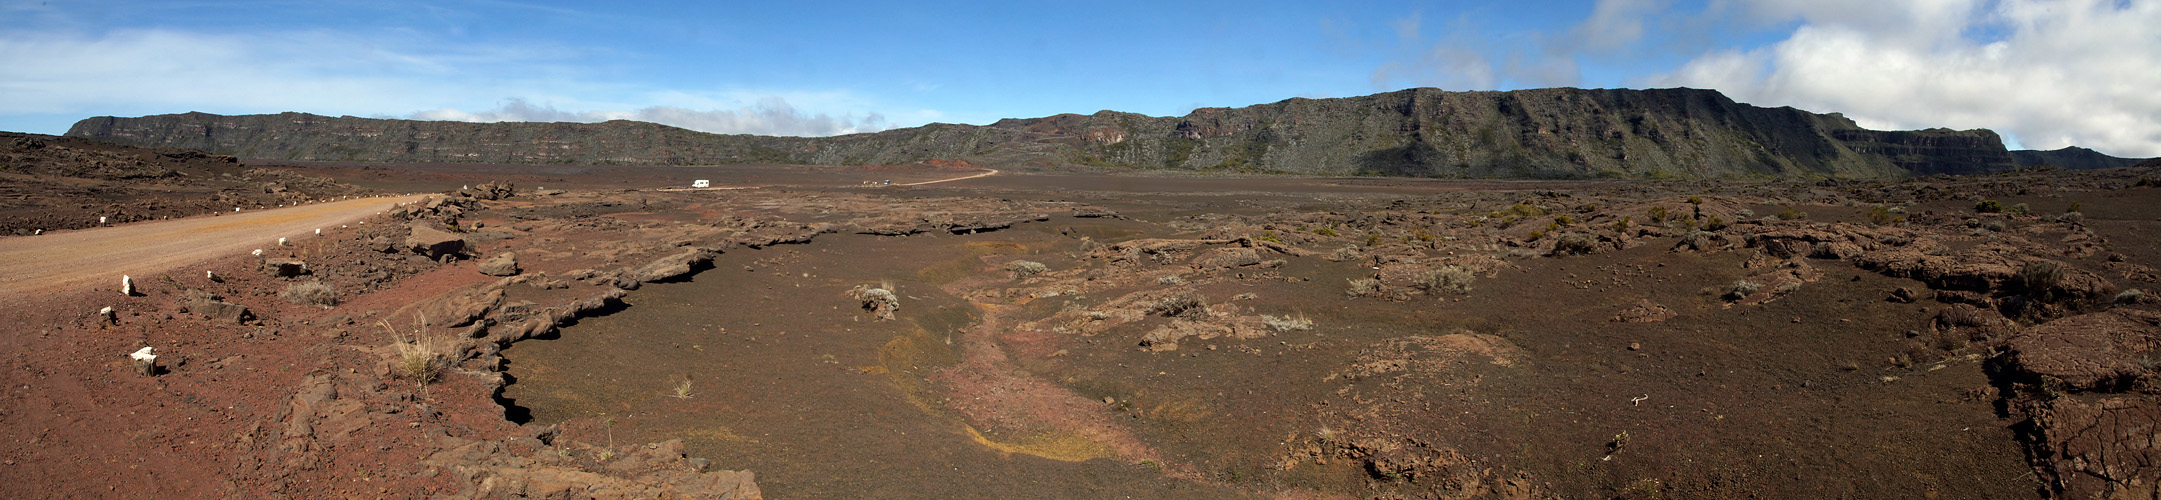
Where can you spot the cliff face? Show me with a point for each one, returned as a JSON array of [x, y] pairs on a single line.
[[2071, 157], [1418, 132]]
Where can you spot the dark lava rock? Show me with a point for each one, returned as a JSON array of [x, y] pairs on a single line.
[[213, 307], [286, 268], [434, 243]]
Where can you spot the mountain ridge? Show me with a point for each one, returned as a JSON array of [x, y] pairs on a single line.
[[1422, 132]]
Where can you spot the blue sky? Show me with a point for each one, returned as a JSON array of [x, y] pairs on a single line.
[[2048, 73]]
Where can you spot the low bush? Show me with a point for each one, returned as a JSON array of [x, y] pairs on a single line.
[[1287, 323], [1742, 288], [1025, 268], [314, 293], [1364, 287], [1186, 305], [1446, 279], [2038, 278]]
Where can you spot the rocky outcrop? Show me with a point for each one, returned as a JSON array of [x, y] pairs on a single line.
[[536, 467], [1545, 133], [505, 264], [214, 307], [2087, 383], [434, 243], [2071, 157]]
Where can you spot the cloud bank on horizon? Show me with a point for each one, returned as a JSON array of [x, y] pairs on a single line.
[[2046, 73]]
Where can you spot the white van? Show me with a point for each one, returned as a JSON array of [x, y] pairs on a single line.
[[701, 183]]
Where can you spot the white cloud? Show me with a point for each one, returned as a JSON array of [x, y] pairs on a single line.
[[2050, 73], [770, 116], [155, 71], [1614, 24]]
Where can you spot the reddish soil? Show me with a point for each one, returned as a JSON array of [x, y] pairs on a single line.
[[1459, 339]]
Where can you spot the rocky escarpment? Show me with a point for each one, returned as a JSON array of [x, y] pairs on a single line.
[[2071, 157], [1547, 133]]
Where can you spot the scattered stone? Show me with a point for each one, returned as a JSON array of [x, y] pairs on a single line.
[[1645, 311], [505, 264], [214, 307], [145, 361], [286, 268], [434, 243]]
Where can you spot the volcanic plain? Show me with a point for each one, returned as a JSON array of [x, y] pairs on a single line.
[[833, 332]]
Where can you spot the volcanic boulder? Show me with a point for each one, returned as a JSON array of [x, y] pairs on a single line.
[[434, 243], [502, 265]]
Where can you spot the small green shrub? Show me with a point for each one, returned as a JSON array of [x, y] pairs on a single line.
[[1026, 268], [1695, 200], [1742, 288], [1288, 323], [1446, 279], [1575, 244], [1364, 287], [1715, 223], [1988, 207], [1564, 220], [2075, 208], [1790, 214], [1325, 231], [1525, 210], [2038, 278], [1657, 214], [1881, 216], [1185, 305], [1269, 237], [314, 293], [2018, 209]]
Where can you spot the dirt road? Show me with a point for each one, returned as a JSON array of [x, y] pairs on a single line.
[[98, 257], [986, 173]]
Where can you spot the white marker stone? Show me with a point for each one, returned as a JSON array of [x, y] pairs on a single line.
[[281, 242], [258, 252], [146, 361], [127, 285]]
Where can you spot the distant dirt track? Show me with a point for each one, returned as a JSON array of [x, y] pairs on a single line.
[[98, 257], [988, 173]]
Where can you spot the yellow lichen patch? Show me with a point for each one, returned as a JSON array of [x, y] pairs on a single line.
[[1061, 446], [902, 358], [1182, 410], [948, 271]]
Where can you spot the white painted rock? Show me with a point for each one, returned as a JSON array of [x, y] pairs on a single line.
[[127, 285], [146, 361]]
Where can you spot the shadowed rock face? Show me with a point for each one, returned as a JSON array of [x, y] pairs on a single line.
[[1545, 133], [2071, 157]]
